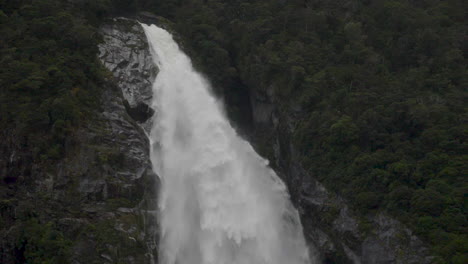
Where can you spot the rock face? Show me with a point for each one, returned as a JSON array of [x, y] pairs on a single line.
[[97, 204], [334, 232], [126, 54], [101, 197]]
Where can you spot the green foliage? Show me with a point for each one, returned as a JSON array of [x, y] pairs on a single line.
[[41, 243], [343, 132], [46, 80]]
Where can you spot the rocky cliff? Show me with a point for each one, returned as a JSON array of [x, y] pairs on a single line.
[[97, 203], [126, 54]]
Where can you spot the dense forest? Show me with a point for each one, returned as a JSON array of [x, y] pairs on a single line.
[[50, 73], [49, 81], [377, 89]]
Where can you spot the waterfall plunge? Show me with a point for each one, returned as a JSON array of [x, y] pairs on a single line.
[[220, 203]]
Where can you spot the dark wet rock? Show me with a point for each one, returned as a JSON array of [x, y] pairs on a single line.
[[125, 52], [140, 113]]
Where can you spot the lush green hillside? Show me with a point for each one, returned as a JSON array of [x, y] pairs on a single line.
[[49, 80], [378, 89], [50, 74]]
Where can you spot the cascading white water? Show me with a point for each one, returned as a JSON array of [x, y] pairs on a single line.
[[220, 203]]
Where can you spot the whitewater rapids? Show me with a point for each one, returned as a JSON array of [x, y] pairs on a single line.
[[219, 203]]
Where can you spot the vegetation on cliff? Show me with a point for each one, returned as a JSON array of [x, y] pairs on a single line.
[[50, 74], [49, 80], [61, 155]]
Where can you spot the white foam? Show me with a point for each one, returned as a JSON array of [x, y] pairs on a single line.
[[220, 202]]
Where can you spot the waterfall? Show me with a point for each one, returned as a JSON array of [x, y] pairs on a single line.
[[219, 202]]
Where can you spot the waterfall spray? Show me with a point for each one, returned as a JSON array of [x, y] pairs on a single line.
[[219, 203]]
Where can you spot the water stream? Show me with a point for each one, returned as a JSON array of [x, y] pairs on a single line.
[[220, 203]]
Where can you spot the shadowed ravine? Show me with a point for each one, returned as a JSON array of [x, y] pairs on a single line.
[[220, 202]]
